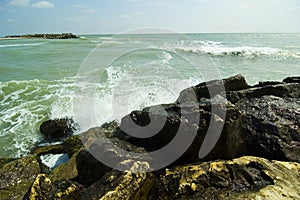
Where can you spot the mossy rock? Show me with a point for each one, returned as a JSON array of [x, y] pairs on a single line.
[[242, 178], [43, 188], [66, 171], [117, 185], [17, 176], [73, 144], [4, 161], [51, 149], [82, 167]]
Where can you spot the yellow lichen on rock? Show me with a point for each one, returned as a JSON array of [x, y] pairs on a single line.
[[36, 188], [133, 186], [217, 166], [66, 192], [242, 178]]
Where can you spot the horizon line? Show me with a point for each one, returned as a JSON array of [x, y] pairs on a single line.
[[234, 32]]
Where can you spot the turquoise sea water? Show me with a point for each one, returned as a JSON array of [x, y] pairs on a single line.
[[37, 76]]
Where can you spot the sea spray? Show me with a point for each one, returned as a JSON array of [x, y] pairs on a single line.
[[37, 76]]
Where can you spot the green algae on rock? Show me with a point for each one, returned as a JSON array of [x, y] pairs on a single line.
[[17, 176]]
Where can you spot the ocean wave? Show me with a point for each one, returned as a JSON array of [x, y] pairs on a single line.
[[23, 107], [166, 57], [21, 45], [244, 51], [207, 43], [105, 38], [112, 42]]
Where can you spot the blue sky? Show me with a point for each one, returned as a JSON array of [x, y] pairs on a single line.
[[114, 16]]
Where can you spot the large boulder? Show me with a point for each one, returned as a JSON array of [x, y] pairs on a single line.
[[262, 120], [241, 178], [117, 185], [284, 90], [181, 119], [44, 188], [84, 166], [292, 80], [270, 127], [75, 143], [17, 176], [57, 128], [210, 89]]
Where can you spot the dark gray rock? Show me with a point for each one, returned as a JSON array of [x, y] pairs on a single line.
[[284, 90], [84, 167], [292, 80], [271, 127], [260, 121], [210, 89], [58, 128]]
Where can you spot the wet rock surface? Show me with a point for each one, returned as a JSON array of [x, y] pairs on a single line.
[[271, 127], [252, 151], [260, 121], [57, 128]]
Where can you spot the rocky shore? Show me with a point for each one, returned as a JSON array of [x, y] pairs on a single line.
[[256, 155], [43, 36]]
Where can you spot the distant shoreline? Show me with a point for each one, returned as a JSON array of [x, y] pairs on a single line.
[[41, 36]]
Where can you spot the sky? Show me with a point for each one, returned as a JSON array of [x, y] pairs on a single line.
[[115, 16]]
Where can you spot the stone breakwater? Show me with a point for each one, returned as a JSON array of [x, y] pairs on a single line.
[[256, 157], [44, 36]]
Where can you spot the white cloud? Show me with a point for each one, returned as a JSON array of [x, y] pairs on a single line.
[[92, 10], [149, 3], [77, 18], [132, 15], [19, 2], [78, 6], [43, 4], [155, 4], [10, 20]]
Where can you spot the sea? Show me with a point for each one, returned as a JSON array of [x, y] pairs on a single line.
[[99, 78]]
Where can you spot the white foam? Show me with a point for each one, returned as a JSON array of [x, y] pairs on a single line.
[[128, 89], [54, 160], [112, 42], [105, 38], [166, 57], [21, 45], [23, 107], [244, 51]]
